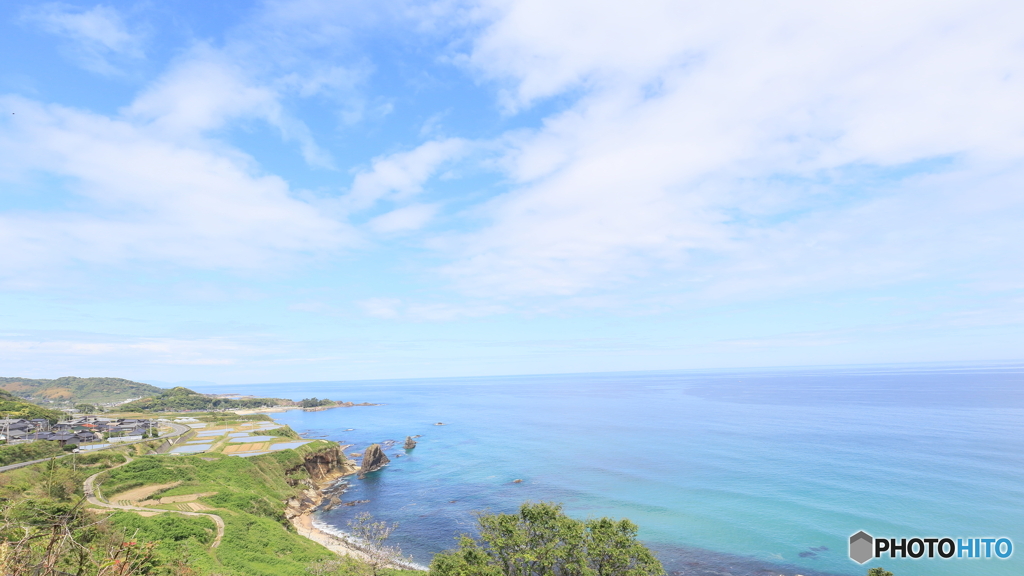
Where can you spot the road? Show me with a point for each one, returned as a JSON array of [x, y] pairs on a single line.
[[93, 497], [178, 430]]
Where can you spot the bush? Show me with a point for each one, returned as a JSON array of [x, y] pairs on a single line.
[[167, 526], [541, 539], [15, 453]]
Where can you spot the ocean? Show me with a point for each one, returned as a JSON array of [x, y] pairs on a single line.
[[741, 472]]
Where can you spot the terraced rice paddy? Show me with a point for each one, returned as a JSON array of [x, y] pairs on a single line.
[[256, 439], [241, 448]]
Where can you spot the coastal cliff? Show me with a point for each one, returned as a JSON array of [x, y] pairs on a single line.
[[317, 473]]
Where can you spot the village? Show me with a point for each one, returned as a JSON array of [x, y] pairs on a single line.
[[83, 431]]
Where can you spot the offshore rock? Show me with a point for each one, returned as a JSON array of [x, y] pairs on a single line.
[[409, 443], [373, 459]]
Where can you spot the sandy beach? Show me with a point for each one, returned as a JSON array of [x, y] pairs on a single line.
[[304, 524]]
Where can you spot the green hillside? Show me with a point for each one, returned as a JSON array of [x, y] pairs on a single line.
[[13, 407], [180, 399], [70, 390]]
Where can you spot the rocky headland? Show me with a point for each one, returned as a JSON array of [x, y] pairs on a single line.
[[323, 470]]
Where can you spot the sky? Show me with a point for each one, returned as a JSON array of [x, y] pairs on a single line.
[[302, 190]]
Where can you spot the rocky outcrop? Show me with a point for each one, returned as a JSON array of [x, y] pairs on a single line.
[[323, 468], [373, 459], [326, 466], [409, 443]]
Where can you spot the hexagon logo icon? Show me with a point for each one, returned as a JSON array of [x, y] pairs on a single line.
[[861, 547]]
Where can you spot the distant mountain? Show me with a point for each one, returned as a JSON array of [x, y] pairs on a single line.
[[71, 390]]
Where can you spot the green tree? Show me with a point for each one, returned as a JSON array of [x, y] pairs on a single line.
[[878, 572], [85, 408], [541, 540]]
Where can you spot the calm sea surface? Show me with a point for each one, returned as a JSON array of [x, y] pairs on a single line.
[[741, 472]]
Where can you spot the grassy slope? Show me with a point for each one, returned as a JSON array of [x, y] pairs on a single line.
[[13, 407], [75, 390], [250, 497], [251, 494]]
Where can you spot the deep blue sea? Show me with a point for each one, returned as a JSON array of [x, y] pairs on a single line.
[[752, 472]]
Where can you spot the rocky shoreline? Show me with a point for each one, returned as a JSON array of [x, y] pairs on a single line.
[[322, 489], [325, 469]]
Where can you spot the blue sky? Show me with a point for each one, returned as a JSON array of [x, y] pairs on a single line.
[[320, 190]]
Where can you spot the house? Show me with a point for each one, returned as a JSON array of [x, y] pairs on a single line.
[[87, 436], [64, 439], [14, 423]]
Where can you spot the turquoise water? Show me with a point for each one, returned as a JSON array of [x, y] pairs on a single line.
[[752, 472]]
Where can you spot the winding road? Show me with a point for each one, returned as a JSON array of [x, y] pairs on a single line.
[[93, 497]]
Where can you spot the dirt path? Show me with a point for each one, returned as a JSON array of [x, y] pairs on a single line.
[[89, 487]]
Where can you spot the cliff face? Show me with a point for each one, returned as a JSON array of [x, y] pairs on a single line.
[[324, 468], [409, 443], [373, 459]]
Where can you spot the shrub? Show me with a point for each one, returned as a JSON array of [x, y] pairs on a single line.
[[542, 540]]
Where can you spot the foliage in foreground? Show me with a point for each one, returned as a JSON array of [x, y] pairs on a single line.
[[542, 540], [373, 537], [44, 529], [879, 571]]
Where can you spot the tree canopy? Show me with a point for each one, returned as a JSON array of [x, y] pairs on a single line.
[[13, 407], [69, 390], [540, 540], [182, 399]]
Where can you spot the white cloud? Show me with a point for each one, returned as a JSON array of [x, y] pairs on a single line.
[[404, 219], [138, 197], [400, 176], [381, 307], [86, 349], [719, 142], [396, 308], [100, 34], [205, 91]]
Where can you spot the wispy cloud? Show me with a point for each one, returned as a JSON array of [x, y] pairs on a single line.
[[691, 149], [148, 199], [99, 36], [402, 175], [396, 308]]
